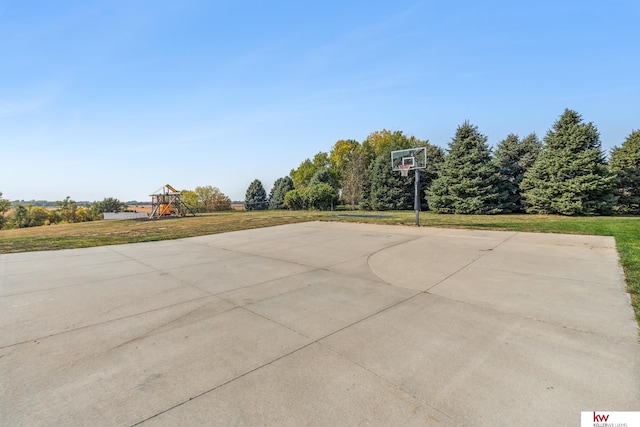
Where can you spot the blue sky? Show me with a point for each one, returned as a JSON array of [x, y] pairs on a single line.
[[117, 98]]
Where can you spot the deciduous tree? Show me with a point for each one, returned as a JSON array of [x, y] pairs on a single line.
[[382, 142], [341, 154], [67, 209], [5, 205], [82, 214], [319, 196], [307, 169], [218, 201], [192, 200], [29, 216], [20, 216], [295, 199], [203, 194], [39, 216], [355, 177], [109, 204]]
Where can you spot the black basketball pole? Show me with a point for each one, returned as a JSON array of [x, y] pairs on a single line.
[[416, 198]]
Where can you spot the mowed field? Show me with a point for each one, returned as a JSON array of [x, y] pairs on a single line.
[[626, 230], [147, 208]]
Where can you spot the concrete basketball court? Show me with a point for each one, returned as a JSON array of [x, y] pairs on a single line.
[[319, 324]]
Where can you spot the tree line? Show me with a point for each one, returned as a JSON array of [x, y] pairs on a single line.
[[206, 199], [567, 173], [316, 195], [22, 215]]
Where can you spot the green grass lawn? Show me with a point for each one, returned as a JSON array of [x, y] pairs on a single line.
[[625, 230]]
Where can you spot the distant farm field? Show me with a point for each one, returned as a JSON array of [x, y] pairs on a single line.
[[626, 230]]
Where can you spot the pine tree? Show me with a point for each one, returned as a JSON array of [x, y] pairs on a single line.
[[625, 163], [513, 158], [570, 176], [435, 160], [322, 176], [468, 180], [280, 188], [255, 197], [389, 190]]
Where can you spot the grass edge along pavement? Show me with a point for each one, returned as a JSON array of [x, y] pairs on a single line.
[[625, 230]]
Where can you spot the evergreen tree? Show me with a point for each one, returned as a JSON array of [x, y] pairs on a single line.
[[255, 197], [279, 190], [435, 160], [468, 180], [389, 190], [625, 163], [322, 176], [570, 176], [513, 158]]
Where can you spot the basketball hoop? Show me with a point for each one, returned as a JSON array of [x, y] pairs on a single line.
[[406, 160], [404, 169]]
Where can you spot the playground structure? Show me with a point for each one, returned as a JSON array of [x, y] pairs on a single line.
[[167, 201]]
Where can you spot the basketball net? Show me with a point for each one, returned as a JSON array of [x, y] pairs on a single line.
[[404, 169]]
